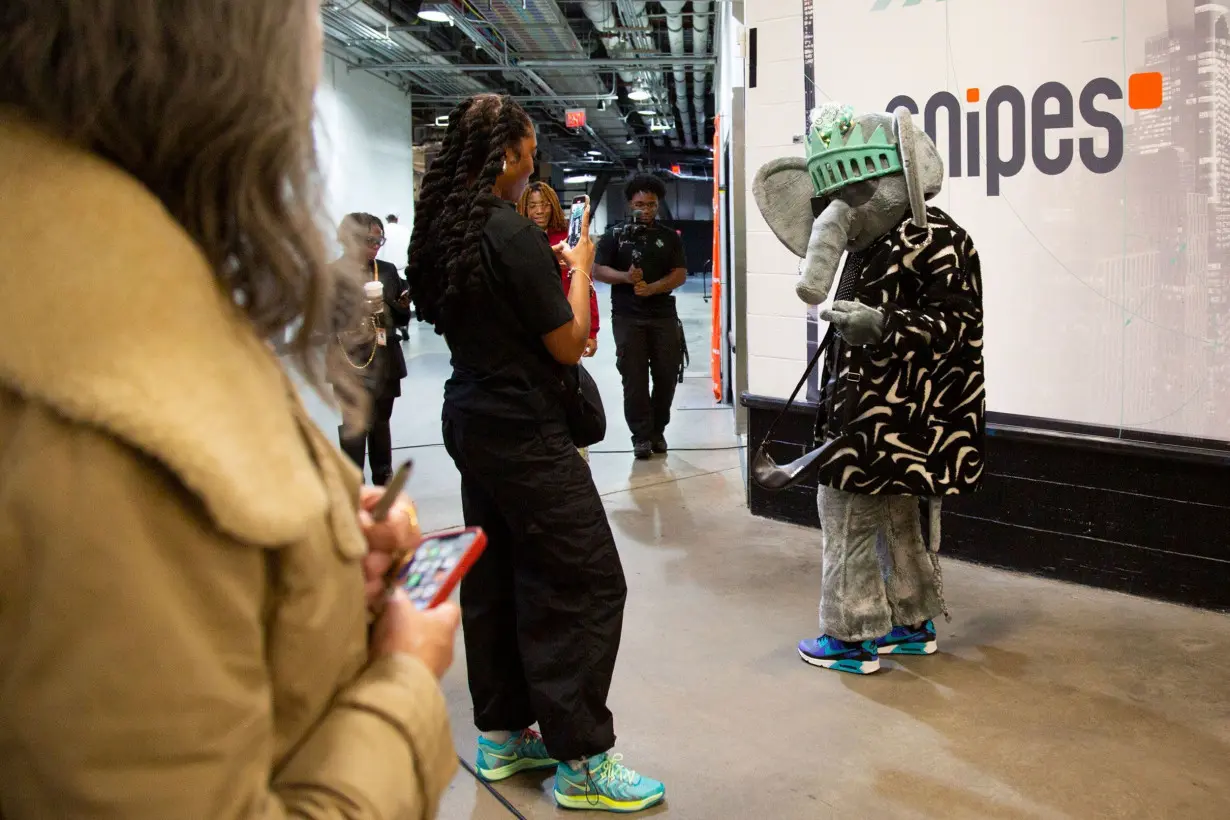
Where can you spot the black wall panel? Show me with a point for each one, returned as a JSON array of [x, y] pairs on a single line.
[[1148, 516]]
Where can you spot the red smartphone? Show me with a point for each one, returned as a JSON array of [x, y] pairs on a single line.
[[439, 564]]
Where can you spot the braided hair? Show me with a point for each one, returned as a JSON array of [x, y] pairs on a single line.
[[454, 203]]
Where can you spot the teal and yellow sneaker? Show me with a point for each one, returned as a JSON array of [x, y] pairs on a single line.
[[604, 783], [828, 652], [909, 640], [523, 752]]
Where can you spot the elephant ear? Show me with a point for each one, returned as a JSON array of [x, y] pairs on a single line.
[[920, 160], [907, 142], [783, 192]]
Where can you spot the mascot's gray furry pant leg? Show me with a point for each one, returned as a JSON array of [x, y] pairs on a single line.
[[877, 571]]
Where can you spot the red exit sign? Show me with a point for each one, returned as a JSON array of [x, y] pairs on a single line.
[[575, 118]]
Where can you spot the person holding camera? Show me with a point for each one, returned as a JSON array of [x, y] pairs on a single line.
[[372, 349], [542, 608], [644, 262]]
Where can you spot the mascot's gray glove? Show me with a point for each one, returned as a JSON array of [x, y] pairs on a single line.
[[855, 322]]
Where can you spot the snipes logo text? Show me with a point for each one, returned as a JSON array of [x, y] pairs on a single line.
[[1020, 129]]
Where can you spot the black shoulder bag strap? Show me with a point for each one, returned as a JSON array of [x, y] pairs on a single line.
[[764, 470]]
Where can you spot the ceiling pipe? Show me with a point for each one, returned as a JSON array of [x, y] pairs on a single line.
[[635, 15], [557, 103], [700, 48], [579, 64], [674, 29], [343, 27], [602, 15]]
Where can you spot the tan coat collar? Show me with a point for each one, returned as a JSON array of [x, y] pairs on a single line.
[[110, 315]]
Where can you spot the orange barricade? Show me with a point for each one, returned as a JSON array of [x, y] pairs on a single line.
[[715, 355]]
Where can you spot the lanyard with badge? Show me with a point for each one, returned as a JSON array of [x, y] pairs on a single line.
[[375, 293]]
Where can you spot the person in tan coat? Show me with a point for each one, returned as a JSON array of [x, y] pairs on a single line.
[[187, 567]]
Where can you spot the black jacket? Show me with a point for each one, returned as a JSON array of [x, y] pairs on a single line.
[[385, 366], [394, 314], [908, 413]]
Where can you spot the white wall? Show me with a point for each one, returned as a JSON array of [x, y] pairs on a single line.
[[1104, 279], [365, 140], [776, 319]]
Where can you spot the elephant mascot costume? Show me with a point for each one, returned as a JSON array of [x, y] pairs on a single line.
[[902, 410]]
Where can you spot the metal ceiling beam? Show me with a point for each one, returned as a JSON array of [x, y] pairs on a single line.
[[579, 64], [543, 98], [627, 62]]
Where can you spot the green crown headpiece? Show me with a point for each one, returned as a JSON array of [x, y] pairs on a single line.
[[838, 154]]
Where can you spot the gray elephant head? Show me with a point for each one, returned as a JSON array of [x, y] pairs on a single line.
[[860, 177]]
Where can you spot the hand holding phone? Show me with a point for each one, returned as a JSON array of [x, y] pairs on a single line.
[[580, 255], [427, 635], [577, 220], [439, 564]]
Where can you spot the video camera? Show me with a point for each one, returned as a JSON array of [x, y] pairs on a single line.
[[634, 231]]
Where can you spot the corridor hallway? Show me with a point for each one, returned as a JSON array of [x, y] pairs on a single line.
[[1047, 700]]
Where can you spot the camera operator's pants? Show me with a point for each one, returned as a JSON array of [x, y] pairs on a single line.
[[877, 573], [646, 347], [542, 608]]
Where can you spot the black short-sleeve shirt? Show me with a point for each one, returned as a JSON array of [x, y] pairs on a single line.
[[661, 252], [501, 367]]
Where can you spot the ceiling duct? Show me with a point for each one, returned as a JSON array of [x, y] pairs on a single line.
[[369, 37], [602, 14], [636, 20], [529, 27], [674, 30], [700, 48]]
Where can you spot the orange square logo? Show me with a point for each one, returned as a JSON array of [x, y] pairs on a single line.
[[972, 95], [1145, 90]]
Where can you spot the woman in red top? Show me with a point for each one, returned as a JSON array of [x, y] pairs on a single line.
[[540, 205]]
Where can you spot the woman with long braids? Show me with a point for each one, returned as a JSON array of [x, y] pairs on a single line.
[[543, 607], [193, 613], [540, 205]]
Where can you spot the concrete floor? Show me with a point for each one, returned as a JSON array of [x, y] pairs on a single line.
[[1046, 700]]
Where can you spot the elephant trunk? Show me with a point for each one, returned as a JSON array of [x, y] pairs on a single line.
[[829, 234]]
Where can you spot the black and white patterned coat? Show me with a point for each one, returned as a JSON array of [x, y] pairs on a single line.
[[909, 412]]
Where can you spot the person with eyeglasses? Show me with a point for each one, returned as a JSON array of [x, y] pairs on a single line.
[[643, 261], [373, 348]]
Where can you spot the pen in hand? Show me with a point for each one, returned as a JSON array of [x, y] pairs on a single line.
[[380, 512]]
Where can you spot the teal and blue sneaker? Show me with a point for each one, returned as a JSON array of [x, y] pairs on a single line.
[[604, 783], [908, 640], [523, 752], [830, 653]]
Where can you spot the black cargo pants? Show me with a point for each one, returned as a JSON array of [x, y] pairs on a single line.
[[542, 609], [645, 348]]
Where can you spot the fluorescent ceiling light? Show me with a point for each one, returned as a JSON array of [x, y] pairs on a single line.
[[630, 141], [639, 94], [581, 179], [442, 122], [647, 112], [594, 153], [435, 16], [657, 126]]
